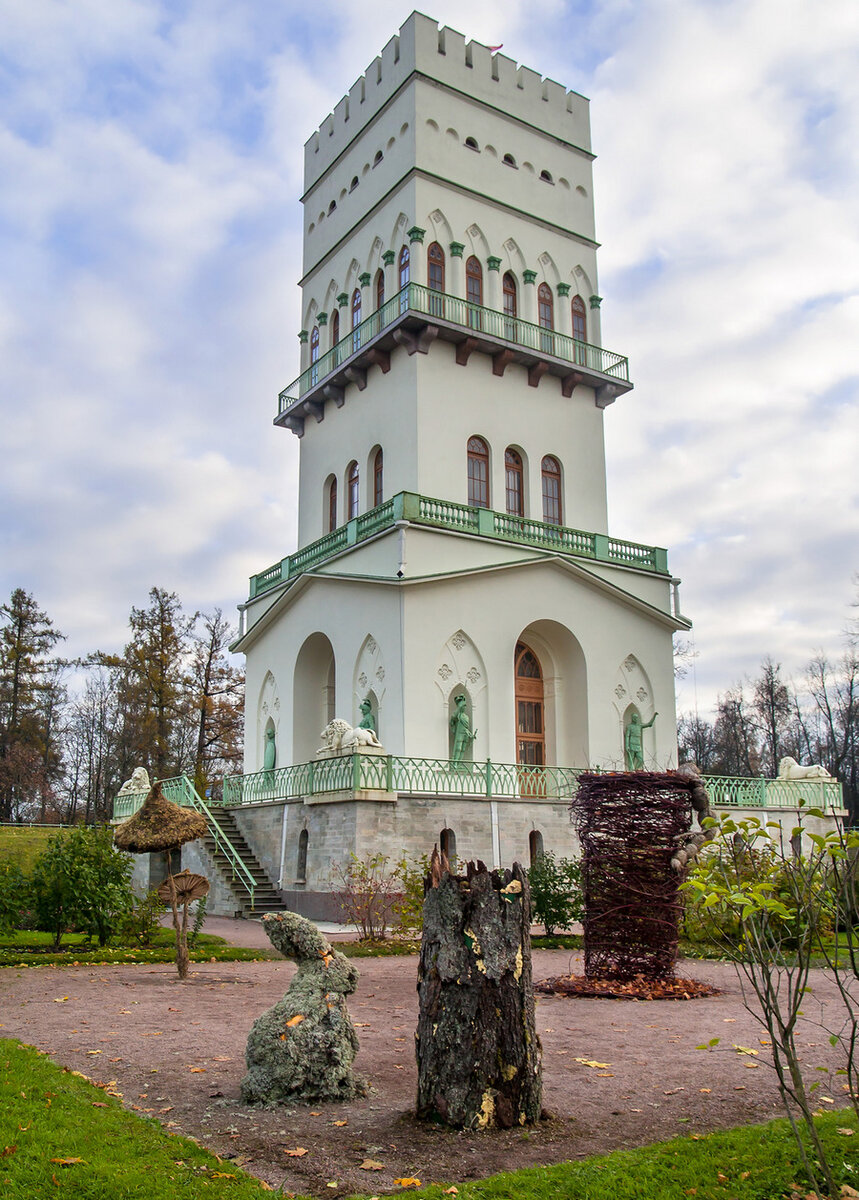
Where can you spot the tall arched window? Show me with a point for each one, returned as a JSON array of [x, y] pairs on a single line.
[[478, 472], [335, 335], [435, 278], [513, 482], [508, 287], [380, 288], [530, 725], [447, 844], [474, 289], [580, 324], [551, 472], [546, 315], [314, 355], [403, 267], [535, 845], [352, 497], [332, 505], [378, 468], [356, 319]]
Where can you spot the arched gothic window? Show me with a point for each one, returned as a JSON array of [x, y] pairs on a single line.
[[509, 288], [478, 472], [474, 289], [513, 482], [447, 844], [356, 319], [332, 505], [551, 472], [380, 288], [335, 335], [535, 845], [435, 278], [352, 496], [378, 468], [530, 726], [580, 326], [314, 356], [404, 267], [546, 313]]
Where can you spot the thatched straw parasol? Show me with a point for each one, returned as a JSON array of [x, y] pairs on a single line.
[[162, 825], [159, 825]]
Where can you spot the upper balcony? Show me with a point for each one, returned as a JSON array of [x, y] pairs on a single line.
[[415, 317]]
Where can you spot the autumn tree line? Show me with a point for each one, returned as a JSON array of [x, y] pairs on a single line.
[[72, 730]]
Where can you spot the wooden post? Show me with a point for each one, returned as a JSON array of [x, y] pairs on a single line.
[[477, 1047]]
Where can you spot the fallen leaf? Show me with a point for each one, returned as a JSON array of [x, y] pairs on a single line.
[[740, 1087], [751, 1066], [361, 1024], [222, 1175], [298, 1152], [730, 1020], [339, 1123], [845, 1132], [707, 1091], [197, 1070], [370, 1164], [95, 1051], [60, 999], [721, 1178], [333, 1183], [605, 1075], [745, 1049], [222, 1058], [296, 1020], [590, 1062], [451, 1191], [399, 1067], [7, 1150], [99, 1104], [848, 1192], [408, 1181], [66, 1162]]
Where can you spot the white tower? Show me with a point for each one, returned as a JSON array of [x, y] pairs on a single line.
[[453, 534]]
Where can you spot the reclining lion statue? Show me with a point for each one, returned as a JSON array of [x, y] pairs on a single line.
[[789, 768], [339, 735]]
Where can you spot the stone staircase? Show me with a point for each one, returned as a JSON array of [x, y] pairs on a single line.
[[266, 896]]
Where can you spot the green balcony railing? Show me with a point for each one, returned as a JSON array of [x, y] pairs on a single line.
[[439, 306], [181, 791], [462, 518], [487, 779]]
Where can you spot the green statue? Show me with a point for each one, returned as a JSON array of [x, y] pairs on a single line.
[[632, 741], [368, 721], [460, 727], [270, 753]]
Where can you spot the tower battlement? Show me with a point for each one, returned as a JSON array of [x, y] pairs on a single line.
[[443, 54]]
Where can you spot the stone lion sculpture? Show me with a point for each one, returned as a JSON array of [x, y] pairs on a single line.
[[302, 1049], [139, 782], [789, 768], [339, 735]]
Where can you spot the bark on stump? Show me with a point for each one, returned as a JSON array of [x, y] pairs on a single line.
[[477, 1047], [630, 825]]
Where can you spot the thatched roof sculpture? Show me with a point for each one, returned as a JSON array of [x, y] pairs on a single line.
[[186, 885], [159, 825]]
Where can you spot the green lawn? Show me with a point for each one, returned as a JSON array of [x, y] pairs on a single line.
[[29, 948], [22, 844], [48, 1114]]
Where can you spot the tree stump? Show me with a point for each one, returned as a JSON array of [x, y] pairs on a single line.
[[477, 1047], [630, 826]]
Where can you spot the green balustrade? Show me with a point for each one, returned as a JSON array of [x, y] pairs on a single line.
[[738, 792], [462, 518], [414, 298]]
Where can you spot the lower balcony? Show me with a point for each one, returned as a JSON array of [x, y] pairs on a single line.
[[385, 776], [414, 318]]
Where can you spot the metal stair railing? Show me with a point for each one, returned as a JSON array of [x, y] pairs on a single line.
[[181, 790]]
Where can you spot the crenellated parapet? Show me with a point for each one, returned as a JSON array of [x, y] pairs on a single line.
[[443, 55]]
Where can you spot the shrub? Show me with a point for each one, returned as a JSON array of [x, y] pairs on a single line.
[[82, 882], [556, 892], [367, 890], [142, 921], [16, 897], [409, 907]]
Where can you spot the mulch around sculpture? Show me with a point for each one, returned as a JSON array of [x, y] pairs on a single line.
[[638, 988]]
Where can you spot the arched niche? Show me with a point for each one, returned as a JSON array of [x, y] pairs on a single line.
[[268, 716], [565, 691], [313, 695], [632, 692], [461, 668], [368, 681]]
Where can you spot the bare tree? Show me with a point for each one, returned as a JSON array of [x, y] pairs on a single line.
[[772, 708]]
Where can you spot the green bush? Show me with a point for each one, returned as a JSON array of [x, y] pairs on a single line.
[[82, 882], [556, 892], [409, 908], [141, 923], [16, 897]]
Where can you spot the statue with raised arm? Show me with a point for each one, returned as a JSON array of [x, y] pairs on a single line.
[[368, 721], [632, 741], [460, 726]]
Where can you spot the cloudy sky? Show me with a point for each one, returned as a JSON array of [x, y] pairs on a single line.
[[151, 163]]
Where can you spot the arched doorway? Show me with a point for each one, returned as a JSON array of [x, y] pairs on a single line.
[[530, 708]]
